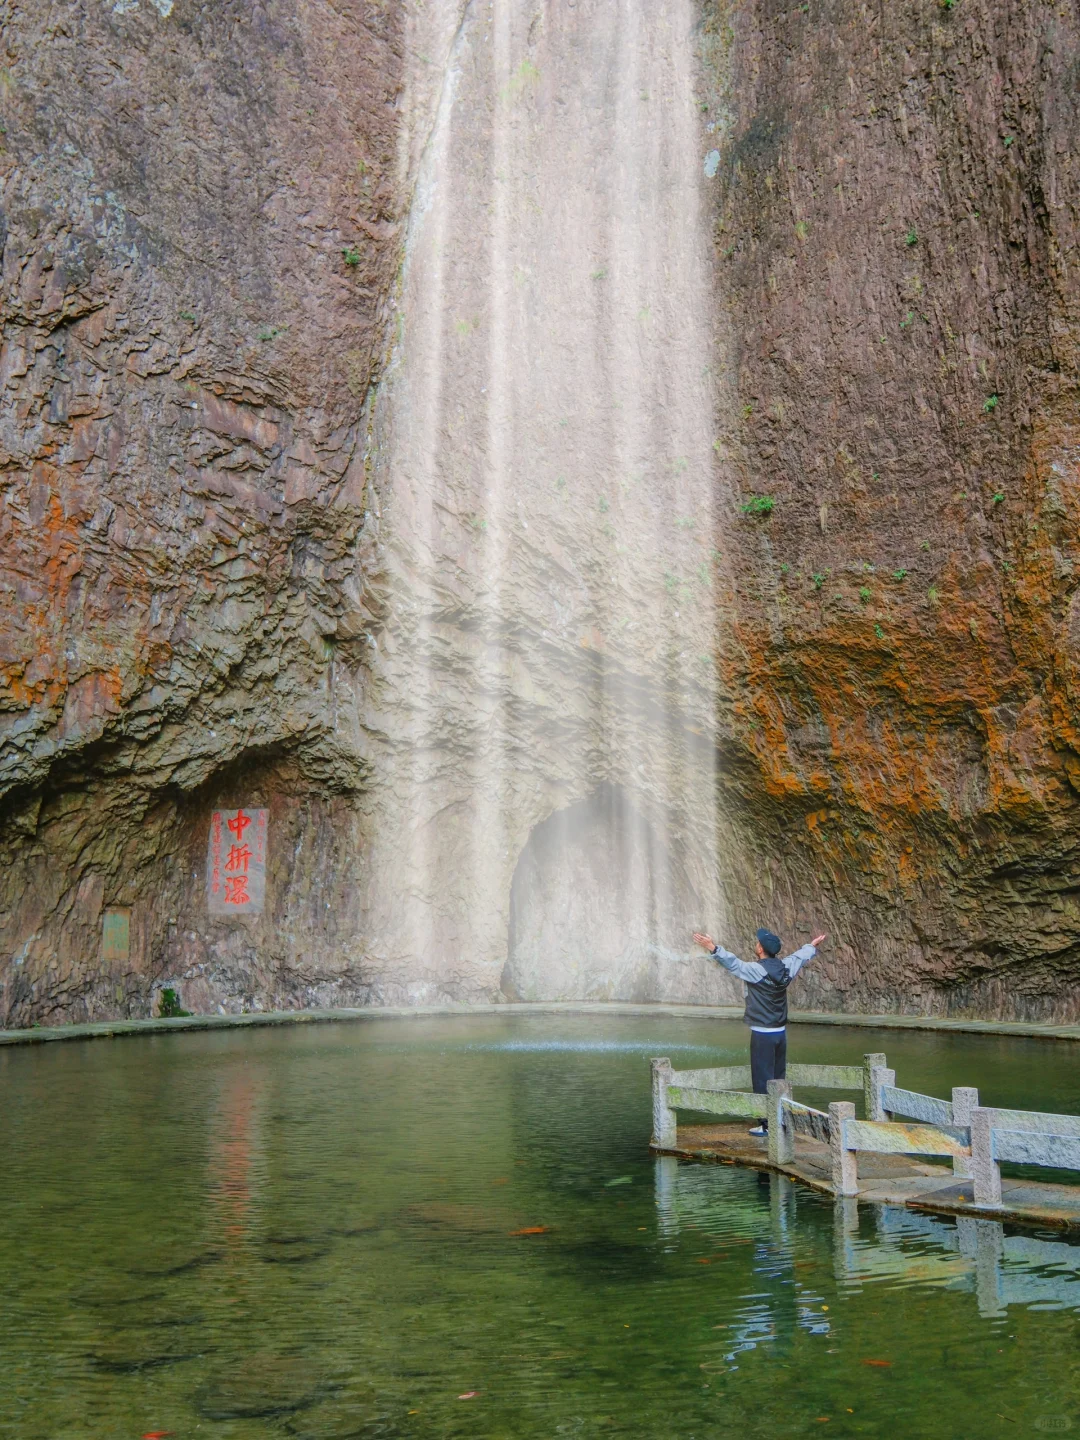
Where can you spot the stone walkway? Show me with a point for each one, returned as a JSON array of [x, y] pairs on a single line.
[[106, 1029], [110, 1028]]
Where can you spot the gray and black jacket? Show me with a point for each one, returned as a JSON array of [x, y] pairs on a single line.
[[766, 984]]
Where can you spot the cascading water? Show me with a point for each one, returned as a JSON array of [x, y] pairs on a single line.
[[544, 814]]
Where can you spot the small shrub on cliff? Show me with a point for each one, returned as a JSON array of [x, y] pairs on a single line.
[[998, 498], [864, 594], [759, 505], [990, 403], [819, 579], [351, 256], [169, 1005], [899, 574], [912, 237]]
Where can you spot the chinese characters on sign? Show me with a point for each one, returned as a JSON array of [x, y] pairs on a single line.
[[236, 862]]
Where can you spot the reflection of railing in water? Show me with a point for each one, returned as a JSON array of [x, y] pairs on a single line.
[[968, 1253], [977, 1138]]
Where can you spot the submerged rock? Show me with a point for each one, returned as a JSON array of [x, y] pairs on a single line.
[[259, 1388]]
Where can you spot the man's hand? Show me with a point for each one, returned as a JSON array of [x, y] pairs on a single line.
[[815, 942], [705, 941]]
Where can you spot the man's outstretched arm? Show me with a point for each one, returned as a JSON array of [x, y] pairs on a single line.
[[750, 971], [794, 962]]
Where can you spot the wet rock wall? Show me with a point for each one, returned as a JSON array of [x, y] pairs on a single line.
[[896, 224], [203, 546], [200, 234]]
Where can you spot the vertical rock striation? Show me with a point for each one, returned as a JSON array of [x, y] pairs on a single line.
[[200, 233], [896, 226]]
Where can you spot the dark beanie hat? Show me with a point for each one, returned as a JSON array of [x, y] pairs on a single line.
[[770, 943]]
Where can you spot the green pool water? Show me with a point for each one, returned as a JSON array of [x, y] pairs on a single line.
[[323, 1232]]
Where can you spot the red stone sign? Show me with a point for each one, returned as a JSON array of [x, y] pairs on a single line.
[[236, 862]]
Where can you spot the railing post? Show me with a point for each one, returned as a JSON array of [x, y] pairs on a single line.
[[663, 1117], [876, 1074], [965, 1101], [845, 1176], [984, 1168], [781, 1140]]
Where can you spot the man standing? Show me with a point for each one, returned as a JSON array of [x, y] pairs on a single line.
[[767, 979]]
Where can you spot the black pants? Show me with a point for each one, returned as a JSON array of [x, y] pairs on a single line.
[[768, 1060]]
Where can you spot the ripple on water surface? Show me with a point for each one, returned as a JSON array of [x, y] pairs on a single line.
[[436, 1228]]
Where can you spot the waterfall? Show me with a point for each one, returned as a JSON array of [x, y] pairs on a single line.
[[544, 812]]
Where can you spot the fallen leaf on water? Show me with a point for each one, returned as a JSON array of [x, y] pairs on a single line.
[[156, 1434], [469, 1395], [532, 1230], [821, 1419], [882, 1363], [622, 1180], [414, 1412], [704, 1262]]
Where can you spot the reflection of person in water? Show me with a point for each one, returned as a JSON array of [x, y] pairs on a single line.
[[767, 979]]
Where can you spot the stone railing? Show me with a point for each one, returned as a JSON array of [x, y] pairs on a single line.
[[976, 1138], [726, 1091]]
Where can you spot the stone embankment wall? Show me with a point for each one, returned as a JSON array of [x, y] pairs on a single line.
[[205, 213]]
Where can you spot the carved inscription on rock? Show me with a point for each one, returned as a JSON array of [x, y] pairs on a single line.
[[236, 862]]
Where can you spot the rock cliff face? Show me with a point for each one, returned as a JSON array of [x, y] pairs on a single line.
[[497, 438], [896, 221], [201, 228]]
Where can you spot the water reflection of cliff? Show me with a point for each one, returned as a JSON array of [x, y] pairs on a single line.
[[872, 1244]]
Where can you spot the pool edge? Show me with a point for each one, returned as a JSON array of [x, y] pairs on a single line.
[[113, 1029]]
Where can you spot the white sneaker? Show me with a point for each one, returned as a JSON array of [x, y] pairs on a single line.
[[758, 1130]]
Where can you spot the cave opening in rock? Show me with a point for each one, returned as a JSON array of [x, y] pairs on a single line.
[[598, 910], [594, 898]]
